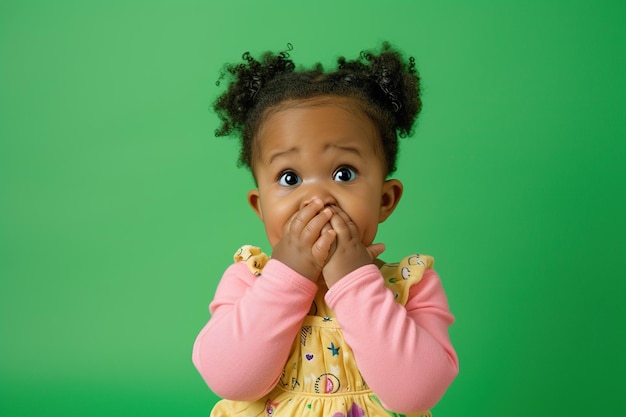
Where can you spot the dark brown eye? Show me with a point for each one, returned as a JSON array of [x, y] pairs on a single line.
[[289, 179], [344, 174]]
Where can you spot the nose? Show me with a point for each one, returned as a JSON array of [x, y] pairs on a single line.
[[316, 191]]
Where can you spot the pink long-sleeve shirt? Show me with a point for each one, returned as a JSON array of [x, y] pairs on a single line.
[[243, 348]]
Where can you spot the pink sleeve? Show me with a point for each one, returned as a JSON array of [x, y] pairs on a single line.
[[403, 352], [242, 350]]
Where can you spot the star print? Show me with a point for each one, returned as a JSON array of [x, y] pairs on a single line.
[[294, 382], [333, 349]]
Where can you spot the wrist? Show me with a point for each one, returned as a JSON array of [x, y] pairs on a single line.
[[312, 274], [334, 275]]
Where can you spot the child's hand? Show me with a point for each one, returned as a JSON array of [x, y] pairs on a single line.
[[307, 240], [350, 253]]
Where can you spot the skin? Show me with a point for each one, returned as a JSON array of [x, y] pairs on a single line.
[[322, 191]]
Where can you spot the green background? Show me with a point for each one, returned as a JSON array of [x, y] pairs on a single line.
[[119, 210]]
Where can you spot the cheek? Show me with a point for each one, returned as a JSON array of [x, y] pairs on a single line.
[[275, 217], [364, 213], [369, 230]]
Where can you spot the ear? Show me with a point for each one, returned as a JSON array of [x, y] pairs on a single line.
[[254, 199], [392, 191]]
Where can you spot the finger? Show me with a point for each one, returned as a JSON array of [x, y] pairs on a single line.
[[326, 228], [348, 220], [376, 249], [302, 217], [339, 225], [316, 225], [344, 224], [322, 247]]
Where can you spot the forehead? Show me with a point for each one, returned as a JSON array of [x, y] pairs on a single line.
[[323, 120]]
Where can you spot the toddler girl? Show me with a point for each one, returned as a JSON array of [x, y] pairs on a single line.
[[324, 327]]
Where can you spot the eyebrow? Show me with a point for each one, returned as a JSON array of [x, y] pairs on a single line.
[[350, 149], [281, 153]]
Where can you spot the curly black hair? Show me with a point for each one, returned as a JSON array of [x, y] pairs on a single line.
[[384, 84]]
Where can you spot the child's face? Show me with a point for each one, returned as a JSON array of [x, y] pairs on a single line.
[[330, 151]]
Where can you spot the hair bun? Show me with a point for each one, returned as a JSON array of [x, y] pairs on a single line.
[[245, 81], [398, 82]]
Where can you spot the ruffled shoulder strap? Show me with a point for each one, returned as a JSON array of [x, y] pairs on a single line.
[[400, 277], [253, 256]]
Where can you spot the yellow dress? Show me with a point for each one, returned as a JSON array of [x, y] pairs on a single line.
[[321, 377]]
